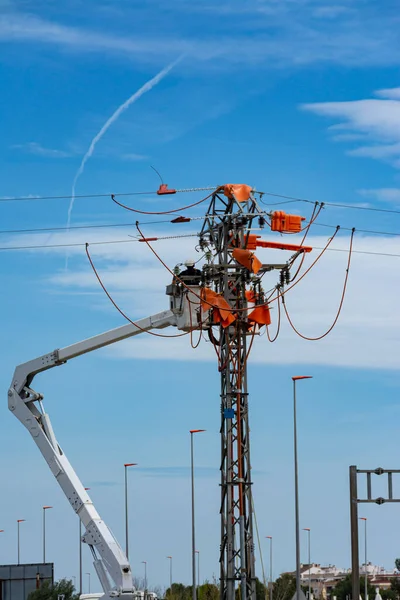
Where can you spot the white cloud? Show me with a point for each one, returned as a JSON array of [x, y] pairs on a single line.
[[381, 151], [393, 93], [367, 334], [385, 194], [134, 157], [39, 150], [331, 12], [17, 27], [375, 120], [279, 30]]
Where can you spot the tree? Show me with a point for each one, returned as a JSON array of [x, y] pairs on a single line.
[[208, 591], [343, 589], [178, 591], [284, 587], [51, 592], [260, 591], [397, 564]]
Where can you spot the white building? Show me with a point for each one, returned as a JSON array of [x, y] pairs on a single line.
[[325, 578]]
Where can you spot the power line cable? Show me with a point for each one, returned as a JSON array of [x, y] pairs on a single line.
[[172, 237], [168, 221], [288, 199], [350, 206], [153, 192]]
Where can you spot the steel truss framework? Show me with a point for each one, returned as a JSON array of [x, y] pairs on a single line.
[[227, 224], [355, 500]]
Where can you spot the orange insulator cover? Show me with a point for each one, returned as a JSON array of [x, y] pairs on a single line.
[[250, 295], [260, 315], [248, 259], [222, 310], [240, 190], [280, 221]]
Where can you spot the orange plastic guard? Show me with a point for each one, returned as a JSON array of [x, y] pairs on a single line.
[[222, 312], [260, 315], [280, 221], [281, 246], [242, 191], [248, 259]]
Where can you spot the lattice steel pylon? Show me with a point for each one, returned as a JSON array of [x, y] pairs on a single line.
[[233, 296], [227, 224]]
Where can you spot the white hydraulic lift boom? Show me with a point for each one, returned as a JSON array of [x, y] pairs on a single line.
[[110, 562]]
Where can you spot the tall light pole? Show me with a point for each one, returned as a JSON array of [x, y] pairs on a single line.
[[198, 567], [269, 537], [80, 554], [170, 573], [44, 531], [365, 556], [144, 562], [296, 485], [126, 465], [309, 561], [88, 574], [194, 595], [18, 524]]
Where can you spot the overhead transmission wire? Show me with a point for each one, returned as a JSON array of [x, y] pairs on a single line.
[[314, 215], [338, 205], [121, 312], [288, 199], [340, 304], [193, 218], [278, 328], [129, 241], [152, 192], [169, 221], [165, 212], [77, 244]]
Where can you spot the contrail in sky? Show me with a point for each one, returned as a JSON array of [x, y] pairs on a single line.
[[145, 88]]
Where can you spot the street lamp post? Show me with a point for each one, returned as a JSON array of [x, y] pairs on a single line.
[[44, 531], [365, 556], [88, 574], [194, 595], [126, 465], [144, 562], [18, 523], [296, 485], [170, 573], [269, 537], [198, 567], [309, 561]]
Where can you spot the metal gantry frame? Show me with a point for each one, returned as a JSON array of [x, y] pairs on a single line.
[[354, 502]]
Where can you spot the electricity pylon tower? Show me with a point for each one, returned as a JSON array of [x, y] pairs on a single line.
[[226, 227], [233, 295]]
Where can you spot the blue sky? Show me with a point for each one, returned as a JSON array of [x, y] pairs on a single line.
[[295, 97]]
